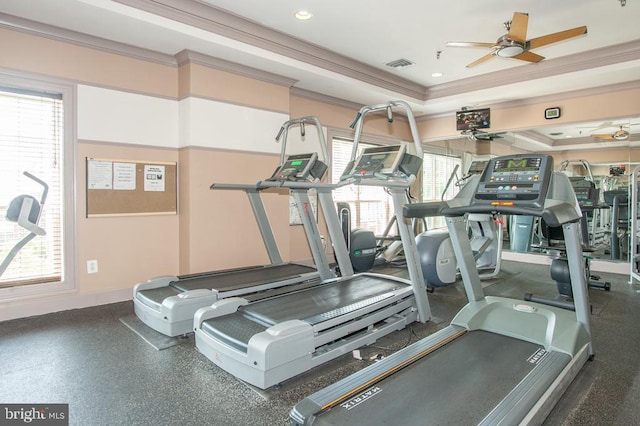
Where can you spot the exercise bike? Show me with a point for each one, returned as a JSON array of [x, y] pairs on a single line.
[[25, 210]]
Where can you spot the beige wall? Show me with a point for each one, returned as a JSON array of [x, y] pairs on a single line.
[[596, 107], [213, 229], [602, 106], [69, 61], [129, 249], [217, 227], [201, 81]]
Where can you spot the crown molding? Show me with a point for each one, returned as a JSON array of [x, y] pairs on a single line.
[[50, 32], [205, 16], [595, 58], [314, 96], [556, 97], [209, 18], [187, 56]]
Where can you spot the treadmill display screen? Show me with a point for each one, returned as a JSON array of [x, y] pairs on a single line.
[[477, 167], [522, 178], [383, 159], [296, 167], [517, 165]]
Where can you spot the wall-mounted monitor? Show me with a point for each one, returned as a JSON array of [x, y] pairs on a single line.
[[473, 119], [617, 170]]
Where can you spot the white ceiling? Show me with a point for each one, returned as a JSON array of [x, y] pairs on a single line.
[[342, 51]]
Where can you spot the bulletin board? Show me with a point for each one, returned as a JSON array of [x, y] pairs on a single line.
[[128, 188]]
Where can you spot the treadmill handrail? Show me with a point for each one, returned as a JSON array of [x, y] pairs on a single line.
[[266, 184], [358, 123], [284, 130], [584, 163]]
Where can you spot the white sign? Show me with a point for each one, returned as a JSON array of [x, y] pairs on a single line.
[[124, 176], [154, 178], [99, 174]]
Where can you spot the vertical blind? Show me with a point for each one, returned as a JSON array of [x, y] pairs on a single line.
[[371, 207], [31, 140]]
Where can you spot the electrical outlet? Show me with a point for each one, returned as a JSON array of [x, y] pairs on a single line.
[[92, 266]]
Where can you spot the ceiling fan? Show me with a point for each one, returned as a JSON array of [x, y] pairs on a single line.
[[479, 135], [515, 45], [619, 135]]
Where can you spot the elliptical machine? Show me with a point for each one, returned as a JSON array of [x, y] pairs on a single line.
[[25, 210], [361, 242], [438, 260]]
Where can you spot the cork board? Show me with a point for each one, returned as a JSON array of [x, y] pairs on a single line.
[[129, 188]]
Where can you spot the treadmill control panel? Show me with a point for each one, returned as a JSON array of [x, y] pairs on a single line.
[[518, 179], [477, 167], [383, 161], [300, 167]]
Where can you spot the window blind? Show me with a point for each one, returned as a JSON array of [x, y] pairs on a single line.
[[31, 140], [371, 207], [436, 170]]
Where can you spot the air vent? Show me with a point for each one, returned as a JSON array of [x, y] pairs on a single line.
[[399, 64]]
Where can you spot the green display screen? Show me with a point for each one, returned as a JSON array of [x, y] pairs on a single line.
[[296, 162]]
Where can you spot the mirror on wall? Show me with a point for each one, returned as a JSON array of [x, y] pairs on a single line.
[[599, 157]]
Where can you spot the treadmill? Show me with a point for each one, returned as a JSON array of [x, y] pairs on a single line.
[[500, 361], [167, 303], [268, 341]]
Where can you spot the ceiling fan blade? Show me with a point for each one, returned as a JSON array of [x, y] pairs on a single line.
[[518, 29], [528, 56], [606, 136], [469, 44], [604, 125], [556, 37], [481, 60]]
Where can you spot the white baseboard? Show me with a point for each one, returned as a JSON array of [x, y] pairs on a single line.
[[536, 259], [608, 266], [30, 307]]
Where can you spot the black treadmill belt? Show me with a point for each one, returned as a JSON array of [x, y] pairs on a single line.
[[235, 330], [234, 280], [311, 305], [457, 384]]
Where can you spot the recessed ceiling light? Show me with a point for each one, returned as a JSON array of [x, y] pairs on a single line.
[[437, 74], [303, 15]]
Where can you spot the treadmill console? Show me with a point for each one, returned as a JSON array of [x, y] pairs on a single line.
[[586, 193], [383, 160], [518, 180], [300, 167], [477, 167]]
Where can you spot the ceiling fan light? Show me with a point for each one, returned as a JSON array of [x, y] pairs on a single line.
[[510, 51], [620, 135]]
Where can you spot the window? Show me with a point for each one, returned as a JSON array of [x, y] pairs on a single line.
[[371, 207], [32, 140], [436, 171]]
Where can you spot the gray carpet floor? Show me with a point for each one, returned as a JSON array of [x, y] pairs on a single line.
[[110, 375]]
